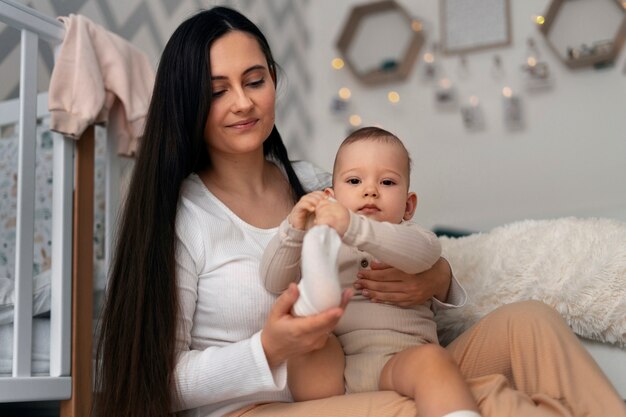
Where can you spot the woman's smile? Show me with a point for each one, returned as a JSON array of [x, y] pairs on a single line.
[[244, 124]]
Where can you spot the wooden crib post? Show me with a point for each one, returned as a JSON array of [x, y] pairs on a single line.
[[79, 405]]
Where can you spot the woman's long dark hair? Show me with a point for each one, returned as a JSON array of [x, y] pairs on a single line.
[[136, 344]]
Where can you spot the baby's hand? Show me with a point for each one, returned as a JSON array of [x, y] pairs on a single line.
[[304, 208], [330, 212]]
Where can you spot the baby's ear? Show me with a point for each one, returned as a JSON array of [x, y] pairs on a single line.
[[411, 204], [329, 192]]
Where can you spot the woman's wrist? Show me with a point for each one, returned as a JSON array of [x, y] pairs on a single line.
[[269, 354], [444, 279]]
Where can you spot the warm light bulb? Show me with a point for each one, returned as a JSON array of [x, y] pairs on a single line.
[[540, 20], [473, 100], [532, 61], [355, 120], [344, 93], [416, 25], [445, 83], [624, 4], [393, 97], [507, 92], [429, 58], [337, 63]]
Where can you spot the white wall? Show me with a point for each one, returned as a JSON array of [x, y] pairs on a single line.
[[569, 160]]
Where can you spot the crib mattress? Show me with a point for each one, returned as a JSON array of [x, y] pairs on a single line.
[[40, 364]]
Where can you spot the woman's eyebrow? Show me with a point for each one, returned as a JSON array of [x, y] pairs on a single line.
[[248, 70]]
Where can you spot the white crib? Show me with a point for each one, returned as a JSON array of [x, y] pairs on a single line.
[[71, 276]]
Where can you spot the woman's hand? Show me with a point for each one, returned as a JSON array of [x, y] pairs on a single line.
[[384, 284], [285, 336]]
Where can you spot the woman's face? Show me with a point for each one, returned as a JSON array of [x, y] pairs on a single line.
[[242, 110]]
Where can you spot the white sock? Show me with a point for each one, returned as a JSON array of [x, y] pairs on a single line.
[[319, 286], [462, 413]]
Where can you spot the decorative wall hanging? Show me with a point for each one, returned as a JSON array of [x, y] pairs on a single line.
[[445, 94], [340, 102], [497, 69], [472, 115], [513, 110], [584, 32], [380, 42], [430, 64], [462, 69], [473, 25], [537, 74]]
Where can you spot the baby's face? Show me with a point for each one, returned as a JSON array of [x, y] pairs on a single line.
[[370, 178]]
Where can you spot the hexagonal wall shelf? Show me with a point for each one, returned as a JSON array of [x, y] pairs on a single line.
[[584, 32], [380, 42]]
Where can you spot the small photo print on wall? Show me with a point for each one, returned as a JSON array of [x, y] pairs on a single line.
[[472, 115], [446, 95], [512, 109]]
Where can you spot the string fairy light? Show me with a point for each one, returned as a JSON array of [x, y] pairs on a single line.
[[337, 63]]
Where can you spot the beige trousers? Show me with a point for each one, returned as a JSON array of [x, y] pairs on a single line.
[[521, 360]]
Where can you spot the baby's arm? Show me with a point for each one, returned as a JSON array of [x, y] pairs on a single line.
[[280, 264], [407, 246]]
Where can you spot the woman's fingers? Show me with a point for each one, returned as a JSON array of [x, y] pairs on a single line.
[[321, 323], [396, 298], [326, 321], [346, 295], [390, 285], [285, 336], [385, 284], [379, 287], [376, 265], [285, 302]]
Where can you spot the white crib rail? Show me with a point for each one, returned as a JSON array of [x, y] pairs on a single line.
[[22, 386]]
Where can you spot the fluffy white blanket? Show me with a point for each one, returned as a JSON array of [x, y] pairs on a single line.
[[578, 266]]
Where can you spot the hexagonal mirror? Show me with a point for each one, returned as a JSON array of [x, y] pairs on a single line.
[[380, 42], [584, 32]]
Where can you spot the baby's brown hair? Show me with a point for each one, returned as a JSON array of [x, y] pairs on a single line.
[[375, 134]]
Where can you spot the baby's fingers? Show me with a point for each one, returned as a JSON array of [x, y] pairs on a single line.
[[311, 200]]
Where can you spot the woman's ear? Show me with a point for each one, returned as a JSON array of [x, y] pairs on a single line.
[[329, 192], [411, 204]]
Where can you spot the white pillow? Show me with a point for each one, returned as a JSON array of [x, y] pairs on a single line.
[[577, 266]]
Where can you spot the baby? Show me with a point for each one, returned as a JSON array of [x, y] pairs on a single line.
[[376, 346]]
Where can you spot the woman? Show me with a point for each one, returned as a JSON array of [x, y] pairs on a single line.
[[187, 324]]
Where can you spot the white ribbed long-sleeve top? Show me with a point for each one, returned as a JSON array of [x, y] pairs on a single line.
[[220, 362]]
